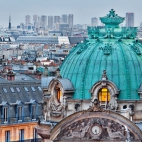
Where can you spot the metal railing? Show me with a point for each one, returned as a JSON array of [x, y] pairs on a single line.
[[13, 120], [29, 140]]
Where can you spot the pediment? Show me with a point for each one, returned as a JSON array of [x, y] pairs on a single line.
[[96, 125]]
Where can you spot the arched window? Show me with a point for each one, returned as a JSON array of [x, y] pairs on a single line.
[[59, 95], [104, 96]]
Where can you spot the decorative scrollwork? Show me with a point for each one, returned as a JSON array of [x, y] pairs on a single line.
[[136, 48], [107, 49], [82, 47]]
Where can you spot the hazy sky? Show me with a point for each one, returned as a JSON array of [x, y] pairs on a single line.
[[83, 10]]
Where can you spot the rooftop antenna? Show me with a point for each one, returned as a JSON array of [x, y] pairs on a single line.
[[9, 26]]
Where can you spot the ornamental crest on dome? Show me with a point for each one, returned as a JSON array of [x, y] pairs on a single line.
[[112, 18], [112, 29], [82, 47]]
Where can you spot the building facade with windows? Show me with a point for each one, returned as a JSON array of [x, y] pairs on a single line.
[[20, 107], [97, 92]]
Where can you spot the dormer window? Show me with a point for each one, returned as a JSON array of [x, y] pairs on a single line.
[[33, 89], [39, 88], [18, 90], [26, 89], [12, 90], [106, 92], [5, 90]]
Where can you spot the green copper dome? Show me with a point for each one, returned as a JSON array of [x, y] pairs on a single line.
[[109, 48]]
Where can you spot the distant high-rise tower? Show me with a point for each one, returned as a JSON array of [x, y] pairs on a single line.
[[9, 26], [129, 19], [94, 21], [70, 20], [50, 22], [43, 21], [64, 19], [27, 20], [35, 18], [57, 19]]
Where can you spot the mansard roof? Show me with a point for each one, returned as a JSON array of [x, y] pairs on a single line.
[[14, 92]]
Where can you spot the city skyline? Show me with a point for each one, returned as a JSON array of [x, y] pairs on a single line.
[[93, 8]]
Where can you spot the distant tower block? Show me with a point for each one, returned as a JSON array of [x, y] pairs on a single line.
[[129, 19], [94, 21]]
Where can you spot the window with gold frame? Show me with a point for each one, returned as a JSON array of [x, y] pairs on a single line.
[[104, 95], [59, 94]]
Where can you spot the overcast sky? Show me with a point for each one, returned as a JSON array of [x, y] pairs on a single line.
[[83, 10]]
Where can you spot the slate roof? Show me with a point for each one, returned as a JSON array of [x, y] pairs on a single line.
[[67, 85], [45, 81], [10, 93], [139, 125]]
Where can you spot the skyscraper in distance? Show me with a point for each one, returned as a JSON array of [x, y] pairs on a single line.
[[129, 19], [70, 20], [94, 21], [27, 20], [50, 22], [57, 19], [64, 19], [35, 18], [43, 21]]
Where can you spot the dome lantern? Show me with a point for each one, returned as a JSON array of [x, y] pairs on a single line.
[[112, 19]]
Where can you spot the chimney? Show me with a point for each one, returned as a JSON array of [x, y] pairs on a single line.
[[10, 76], [37, 75]]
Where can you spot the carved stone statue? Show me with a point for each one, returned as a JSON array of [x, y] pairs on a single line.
[[113, 103], [104, 75], [96, 106], [56, 109], [45, 110]]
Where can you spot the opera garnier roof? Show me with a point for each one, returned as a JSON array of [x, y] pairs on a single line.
[[97, 91]]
